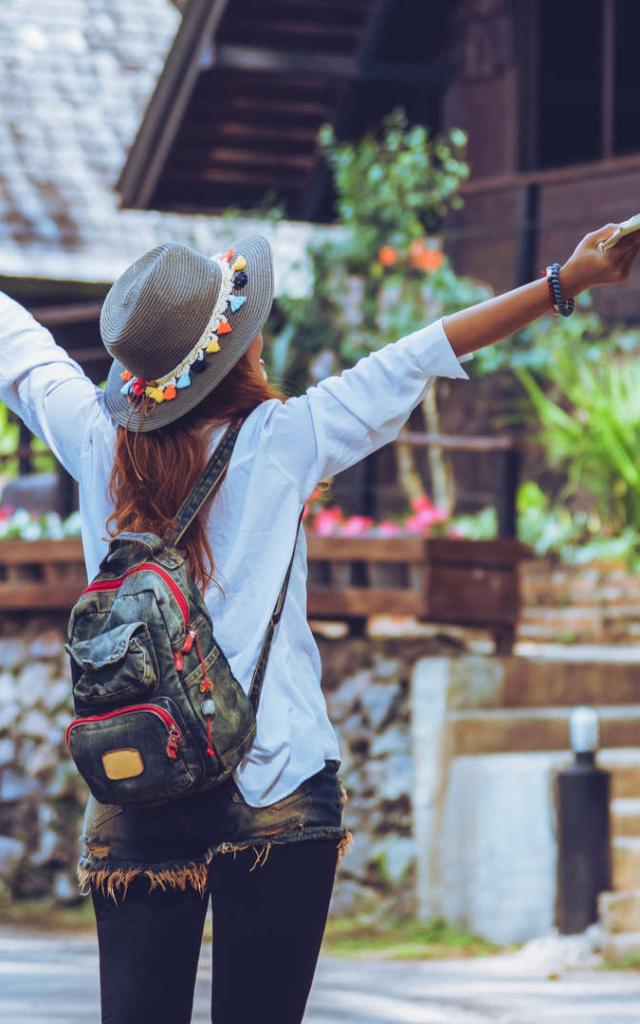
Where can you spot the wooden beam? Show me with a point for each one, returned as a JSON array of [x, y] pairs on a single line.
[[554, 176], [457, 443], [168, 104], [245, 157], [608, 77], [252, 58], [231, 57], [75, 313], [318, 178], [325, 602], [253, 132], [354, 549], [271, 104], [231, 176]]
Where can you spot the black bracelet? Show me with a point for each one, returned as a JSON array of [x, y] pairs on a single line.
[[561, 305]]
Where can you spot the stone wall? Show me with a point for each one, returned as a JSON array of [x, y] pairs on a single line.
[[367, 686], [578, 604], [41, 793]]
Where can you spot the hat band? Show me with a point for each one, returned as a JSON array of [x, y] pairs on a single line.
[[165, 388]]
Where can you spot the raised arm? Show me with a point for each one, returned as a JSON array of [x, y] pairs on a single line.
[[346, 417], [40, 382], [497, 318]]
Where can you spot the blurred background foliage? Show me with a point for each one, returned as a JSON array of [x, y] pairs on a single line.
[[381, 274]]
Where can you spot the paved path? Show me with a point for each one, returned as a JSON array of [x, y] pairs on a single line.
[[50, 980]]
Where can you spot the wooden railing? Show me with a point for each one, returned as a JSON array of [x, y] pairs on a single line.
[[468, 583]]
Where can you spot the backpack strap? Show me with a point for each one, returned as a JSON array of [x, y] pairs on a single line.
[[261, 665], [207, 484]]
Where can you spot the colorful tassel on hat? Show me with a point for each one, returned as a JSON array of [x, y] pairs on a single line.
[[170, 392], [156, 393], [229, 254], [200, 364], [240, 264], [126, 387], [236, 301], [213, 346], [224, 327], [126, 375], [240, 279], [184, 381], [138, 386]]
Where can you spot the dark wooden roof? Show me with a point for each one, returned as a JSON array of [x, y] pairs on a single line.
[[247, 85]]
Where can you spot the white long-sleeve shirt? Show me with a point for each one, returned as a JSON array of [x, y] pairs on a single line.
[[282, 451]]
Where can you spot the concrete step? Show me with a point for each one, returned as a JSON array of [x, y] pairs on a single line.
[[520, 729], [624, 765], [625, 817], [556, 682], [621, 947], [620, 911], [625, 863]]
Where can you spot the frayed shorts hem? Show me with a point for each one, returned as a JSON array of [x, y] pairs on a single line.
[[112, 878]]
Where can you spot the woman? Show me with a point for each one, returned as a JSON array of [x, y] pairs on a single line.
[[184, 333]]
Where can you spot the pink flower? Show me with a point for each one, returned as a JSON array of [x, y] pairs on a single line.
[[416, 524], [424, 518], [387, 528], [355, 525], [421, 503], [5, 512], [327, 520]]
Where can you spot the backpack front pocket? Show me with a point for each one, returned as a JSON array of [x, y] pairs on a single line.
[[133, 755], [113, 667]]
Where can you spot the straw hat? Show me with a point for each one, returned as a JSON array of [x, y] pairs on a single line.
[[175, 322]]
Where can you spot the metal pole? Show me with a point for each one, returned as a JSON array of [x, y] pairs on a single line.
[[582, 792], [509, 473]]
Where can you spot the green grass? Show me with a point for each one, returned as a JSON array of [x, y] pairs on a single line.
[[627, 963], [399, 939], [404, 939], [38, 915]]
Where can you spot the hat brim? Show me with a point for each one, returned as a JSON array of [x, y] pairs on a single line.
[[246, 323]]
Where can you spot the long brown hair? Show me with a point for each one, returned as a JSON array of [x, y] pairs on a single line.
[[154, 471]]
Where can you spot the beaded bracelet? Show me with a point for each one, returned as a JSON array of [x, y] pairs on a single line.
[[564, 307]]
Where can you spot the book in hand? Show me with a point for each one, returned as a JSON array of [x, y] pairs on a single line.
[[626, 228]]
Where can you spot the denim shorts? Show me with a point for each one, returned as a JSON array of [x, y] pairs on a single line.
[[172, 843]]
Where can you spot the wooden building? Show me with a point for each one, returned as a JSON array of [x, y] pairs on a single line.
[[549, 91], [122, 126]]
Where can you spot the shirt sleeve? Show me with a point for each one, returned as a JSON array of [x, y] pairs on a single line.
[[43, 385], [348, 416]]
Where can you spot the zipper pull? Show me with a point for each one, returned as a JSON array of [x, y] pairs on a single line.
[[178, 660], [188, 643], [172, 744]]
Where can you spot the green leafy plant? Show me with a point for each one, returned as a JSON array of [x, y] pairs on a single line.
[[395, 186], [590, 428], [382, 274]]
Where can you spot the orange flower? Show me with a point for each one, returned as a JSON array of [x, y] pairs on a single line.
[[424, 258], [387, 256]]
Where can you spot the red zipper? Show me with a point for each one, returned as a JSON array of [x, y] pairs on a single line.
[[175, 735], [146, 567]]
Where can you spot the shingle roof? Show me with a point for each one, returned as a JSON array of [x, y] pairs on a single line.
[[75, 79]]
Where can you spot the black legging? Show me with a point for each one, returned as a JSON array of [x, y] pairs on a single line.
[[268, 925]]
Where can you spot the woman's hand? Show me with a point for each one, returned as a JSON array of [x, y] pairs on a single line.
[[497, 318], [590, 266]]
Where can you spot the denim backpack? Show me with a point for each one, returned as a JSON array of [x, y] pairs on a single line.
[[159, 713]]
